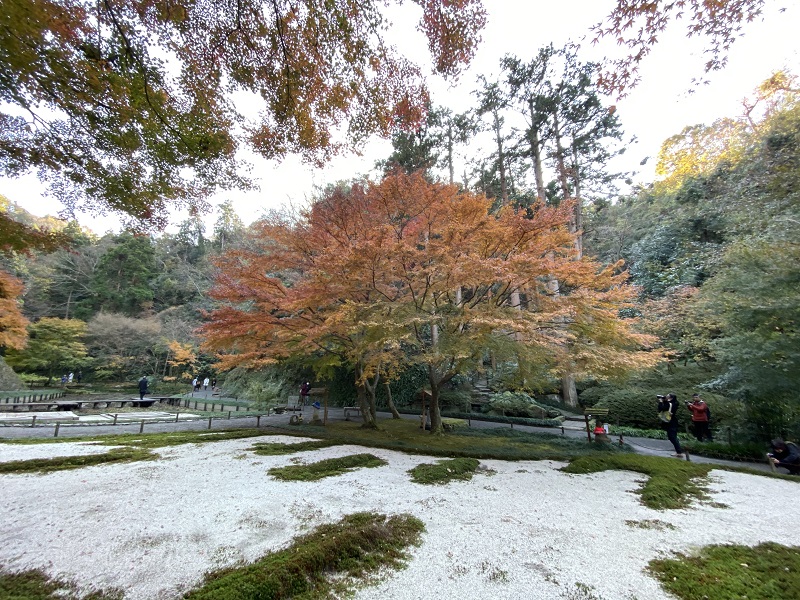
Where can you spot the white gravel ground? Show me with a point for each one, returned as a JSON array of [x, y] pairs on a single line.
[[527, 531]]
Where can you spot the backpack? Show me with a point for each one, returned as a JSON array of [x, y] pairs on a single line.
[[665, 415]]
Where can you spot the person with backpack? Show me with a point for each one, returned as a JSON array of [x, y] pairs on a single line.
[[668, 413], [700, 418], [786, 455]]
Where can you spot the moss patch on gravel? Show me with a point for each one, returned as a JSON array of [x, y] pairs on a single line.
[[328, 562], [63, 463], [728, 572], [444, 471], [326, 468], [36, 585], [671, 483], [275, 449]]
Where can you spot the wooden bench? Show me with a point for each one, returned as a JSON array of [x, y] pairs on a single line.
[[594, 411], [351, 409]]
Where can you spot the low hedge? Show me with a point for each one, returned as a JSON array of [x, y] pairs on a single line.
[[555, 422]]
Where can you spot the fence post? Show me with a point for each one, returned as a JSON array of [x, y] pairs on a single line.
[[209, 422], [58, 425], [229, 415], [176, 416], [115, 418], [258, 421], [33, 421], [141, 426]]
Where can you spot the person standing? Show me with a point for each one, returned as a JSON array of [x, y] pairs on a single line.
[[205, 384], [668, 413], [700, 412], [142, 387], [305, 388]]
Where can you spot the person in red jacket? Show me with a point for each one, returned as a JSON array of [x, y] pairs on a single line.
[[700, 414]]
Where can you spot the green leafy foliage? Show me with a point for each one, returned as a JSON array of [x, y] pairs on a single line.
[[53, 345], [757, 299], [731, 571], [121, 281], [633, 403], [263, 387], [518, 404]]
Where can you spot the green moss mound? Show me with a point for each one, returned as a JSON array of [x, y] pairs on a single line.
[[444, 471], [36, 585], [276, 449], [353, 548], [63, 463], [672, 483], [727, 572], [326, 468]]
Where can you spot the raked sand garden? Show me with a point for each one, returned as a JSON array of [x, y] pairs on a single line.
[[526, 529]]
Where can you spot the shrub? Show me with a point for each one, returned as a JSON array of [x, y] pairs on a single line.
[[263, 387], [518, 404], [633, 404]]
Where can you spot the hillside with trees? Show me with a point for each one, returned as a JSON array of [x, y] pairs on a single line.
[[529, 270]]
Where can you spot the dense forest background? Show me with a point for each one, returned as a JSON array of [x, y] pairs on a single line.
[[712, 245]]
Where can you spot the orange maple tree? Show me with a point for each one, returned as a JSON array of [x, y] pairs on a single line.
[[406, 271], [13, 325]]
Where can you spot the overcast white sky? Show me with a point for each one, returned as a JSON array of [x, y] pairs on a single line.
[[663, 103]]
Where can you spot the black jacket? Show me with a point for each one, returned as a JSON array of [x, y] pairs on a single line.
[[672, 406]]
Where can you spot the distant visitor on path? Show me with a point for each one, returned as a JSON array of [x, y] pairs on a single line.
[[700, 418], [205, 383], [304, 390], [213, 384], [667, 412], [195, 384], [69, 377], [786, 455], [142, 387]]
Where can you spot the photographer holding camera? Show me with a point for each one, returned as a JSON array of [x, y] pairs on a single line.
[[667, 412], [786, 455]]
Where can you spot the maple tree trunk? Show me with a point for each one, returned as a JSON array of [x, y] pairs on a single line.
[[367, 412], [568, 392], [435, 413], [390, 402]]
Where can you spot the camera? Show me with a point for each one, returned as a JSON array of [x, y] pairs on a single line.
[[660, 397]]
